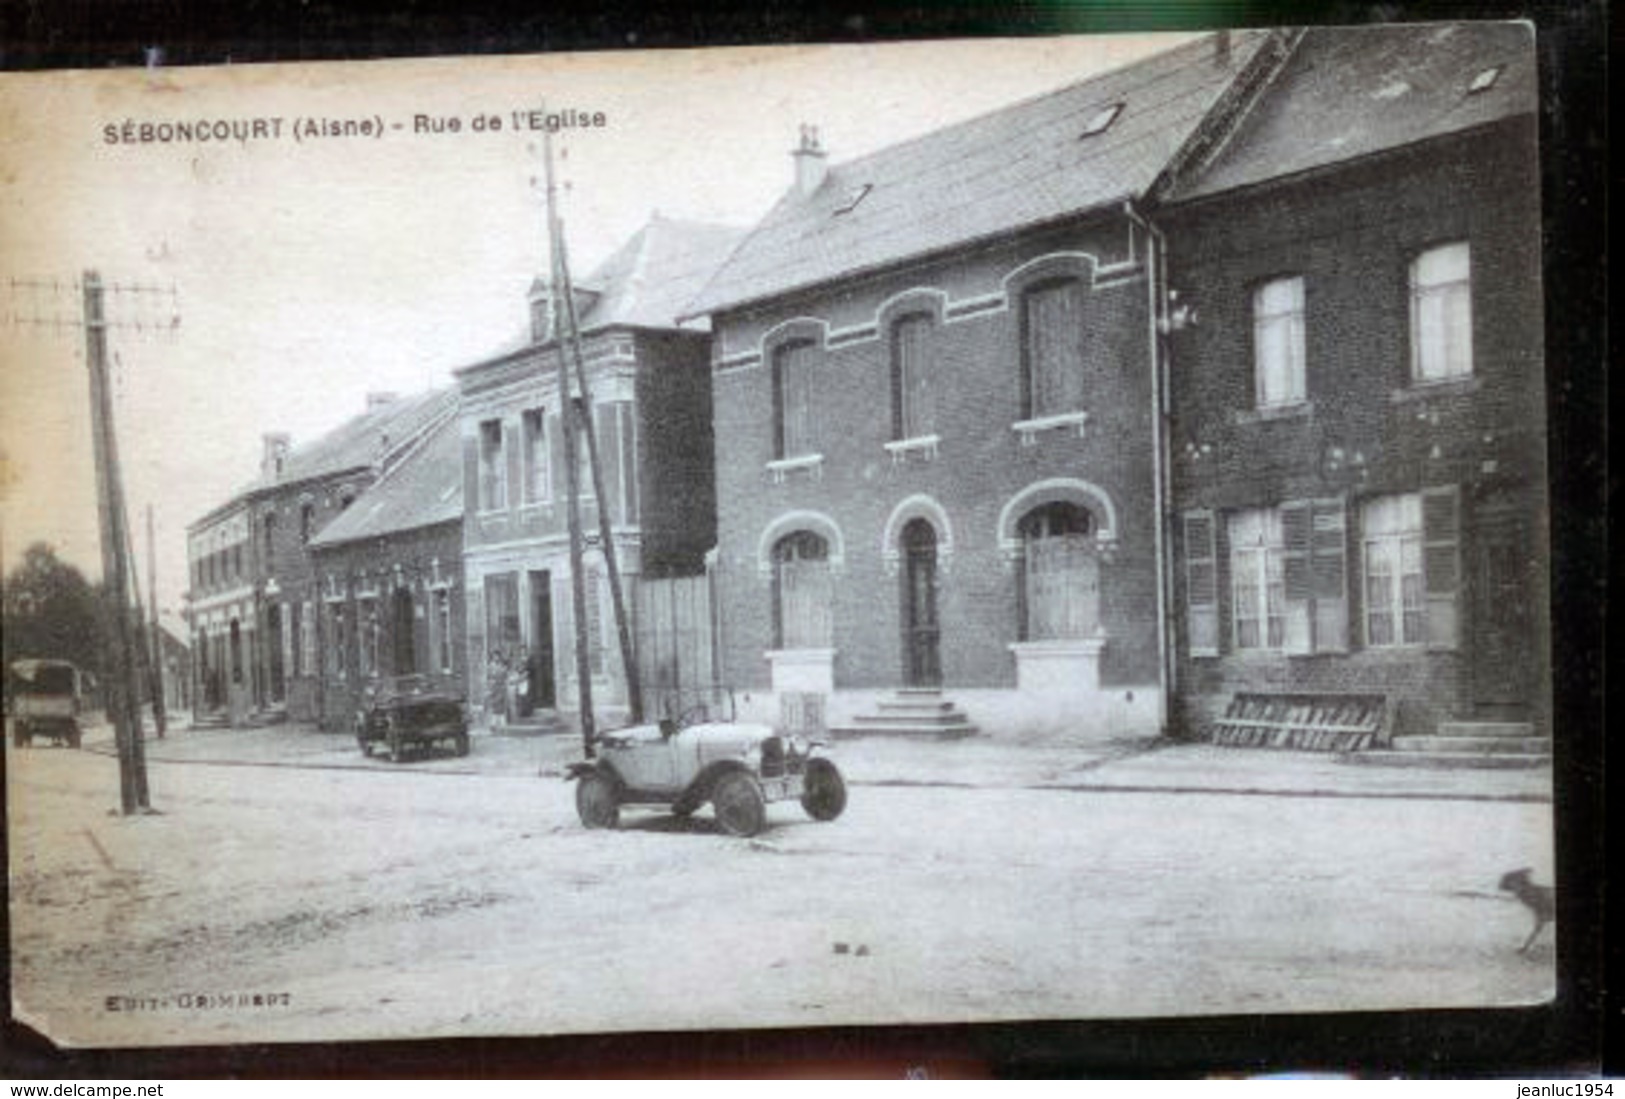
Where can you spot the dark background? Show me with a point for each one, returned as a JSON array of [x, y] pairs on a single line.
[[1568, 1038]]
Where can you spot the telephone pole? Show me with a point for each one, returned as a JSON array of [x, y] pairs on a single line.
[[119, 648], [572, 469], [156, 665]]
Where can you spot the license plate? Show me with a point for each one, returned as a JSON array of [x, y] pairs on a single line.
[[782, 788]]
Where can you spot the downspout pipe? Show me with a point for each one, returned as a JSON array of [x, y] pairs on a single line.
[[1156, 255]]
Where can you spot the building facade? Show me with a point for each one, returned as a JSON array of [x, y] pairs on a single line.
[[934, 380], [388, 575], [254, 601], [650, 409], [1357, 423]]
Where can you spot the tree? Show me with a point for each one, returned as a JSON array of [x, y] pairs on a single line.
[[51, 611]]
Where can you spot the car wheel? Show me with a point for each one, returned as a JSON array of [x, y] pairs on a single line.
[[740, 807], [598, 802], [824, 790]]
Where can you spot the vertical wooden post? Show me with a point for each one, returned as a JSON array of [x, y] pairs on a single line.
[[567, 411], [159, 709], [117, 647], [634, 688]]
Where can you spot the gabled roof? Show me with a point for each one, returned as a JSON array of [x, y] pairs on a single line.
[[1349, 92], [424, 489], [650, 278], [1023, 165], [359, 441], [644, 284]]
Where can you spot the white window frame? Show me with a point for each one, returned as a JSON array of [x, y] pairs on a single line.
[[1391, 536], [536, 456], [493, 467], [1441, 314], [1257, 580], [1279, 358]]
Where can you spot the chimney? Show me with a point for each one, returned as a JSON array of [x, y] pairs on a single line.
[[811, 162], [273, 456], [380, 398], [1221, 49]]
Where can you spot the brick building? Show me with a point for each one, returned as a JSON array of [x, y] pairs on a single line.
[[651, 410], [934, 386], [389, 576], [1357, 431], [253, 600]]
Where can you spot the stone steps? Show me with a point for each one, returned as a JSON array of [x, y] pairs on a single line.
[[1464, 744], [913, 712]]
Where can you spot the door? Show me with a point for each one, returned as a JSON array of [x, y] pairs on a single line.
[[1503, 623], [274, 645], [543, 688], [922, 660]]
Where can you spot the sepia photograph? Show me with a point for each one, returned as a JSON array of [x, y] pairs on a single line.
[[897, 534]]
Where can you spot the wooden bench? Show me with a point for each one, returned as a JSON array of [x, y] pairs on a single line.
[[1315, 721]]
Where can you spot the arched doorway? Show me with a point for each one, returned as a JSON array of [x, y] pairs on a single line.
[[922, 633]]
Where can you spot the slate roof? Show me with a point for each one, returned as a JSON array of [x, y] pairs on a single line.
[[649, 279], [1349, 92], [1023, 165], [356, 443], [424, 489]]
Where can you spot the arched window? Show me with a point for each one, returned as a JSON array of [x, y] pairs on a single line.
[[792, 399], [801, 592], [913, 412], [1052, 348], [1060, 588]]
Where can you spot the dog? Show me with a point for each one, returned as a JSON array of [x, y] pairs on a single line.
[[1539, 899]]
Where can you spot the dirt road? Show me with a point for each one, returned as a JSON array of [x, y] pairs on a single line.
[[376, 903]]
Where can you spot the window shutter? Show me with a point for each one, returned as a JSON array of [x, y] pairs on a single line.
[[1329, 575], [1441, 562], [1201, 584], [1297, 576]]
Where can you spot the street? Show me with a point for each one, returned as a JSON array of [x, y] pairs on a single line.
[[285, 891]]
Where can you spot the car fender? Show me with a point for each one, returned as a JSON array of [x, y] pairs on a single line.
[[582, 769], [700, 789]]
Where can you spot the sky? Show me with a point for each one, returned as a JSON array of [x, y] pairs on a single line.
[[307, 271]]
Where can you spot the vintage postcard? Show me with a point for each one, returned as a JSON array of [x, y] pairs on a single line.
[[951, 532]]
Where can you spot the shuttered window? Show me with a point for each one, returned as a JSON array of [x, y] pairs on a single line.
[[802, 592], [1052, 349], [912, 412], [1201, 584], [1060, 574], [1441, 562], [1391, 537], [792, 400]]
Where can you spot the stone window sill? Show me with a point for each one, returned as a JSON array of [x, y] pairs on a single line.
[[1443, 387], [782, 468], [925, 446], [1029, 429], [1301, 409]]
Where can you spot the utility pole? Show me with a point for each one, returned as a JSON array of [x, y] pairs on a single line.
[[634, 688], [157, 647], [119, 646], [567, 413]]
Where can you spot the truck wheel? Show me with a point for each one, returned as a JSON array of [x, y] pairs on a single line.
[[740, 807], [598, 802], [824, 791]]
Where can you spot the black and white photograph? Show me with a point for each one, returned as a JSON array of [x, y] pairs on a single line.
[[915, 533]]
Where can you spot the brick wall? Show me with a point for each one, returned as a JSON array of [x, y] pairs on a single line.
[[979, 465], [1366, 430]]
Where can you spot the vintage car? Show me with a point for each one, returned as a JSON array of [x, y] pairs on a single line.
[[45, 701], [408, 714], [701, 755]]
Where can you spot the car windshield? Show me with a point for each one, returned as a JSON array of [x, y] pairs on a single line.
[[690, 705]]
